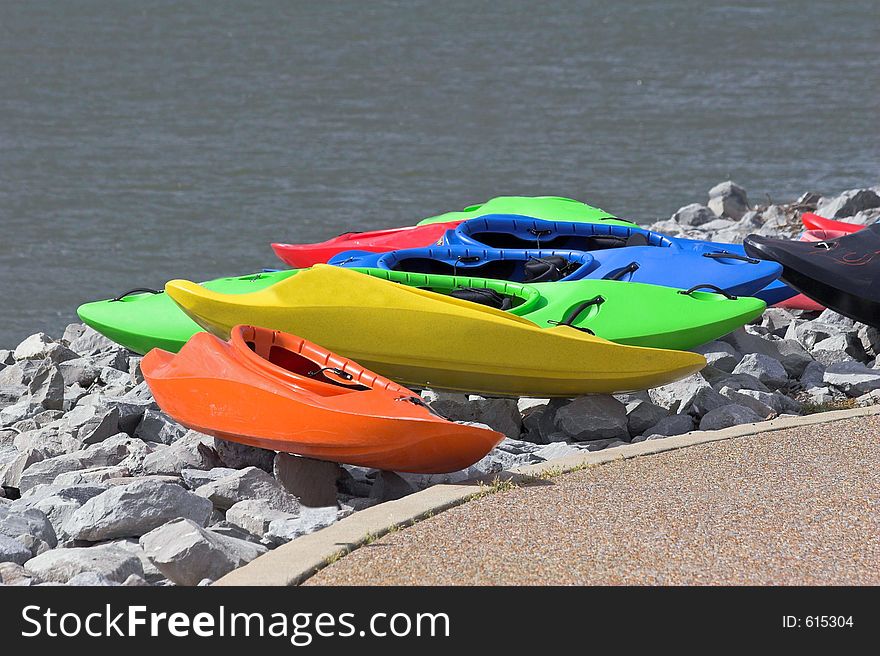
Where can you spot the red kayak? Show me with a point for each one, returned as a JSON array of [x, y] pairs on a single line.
[[301, 256], [815, 222]]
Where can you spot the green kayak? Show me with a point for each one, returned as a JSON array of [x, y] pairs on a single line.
[[142, 320], [550, 208], [624, 312]]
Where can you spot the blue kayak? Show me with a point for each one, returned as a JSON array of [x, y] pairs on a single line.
[[517, 231], [669, 266], [514, 265]]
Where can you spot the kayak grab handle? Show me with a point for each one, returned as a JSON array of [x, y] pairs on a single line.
[[539, 233], [136, 290], [632, 267], [713, 288], [727, 255], [333, 370], [576, 312]]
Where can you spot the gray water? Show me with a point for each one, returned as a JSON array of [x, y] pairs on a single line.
[[141, 141]]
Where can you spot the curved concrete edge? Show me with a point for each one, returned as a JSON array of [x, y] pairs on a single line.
[[296, 561]]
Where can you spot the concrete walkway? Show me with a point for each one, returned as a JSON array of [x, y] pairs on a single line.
[[797, 506]]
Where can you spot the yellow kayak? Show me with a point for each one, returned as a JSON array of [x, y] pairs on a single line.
[[424, 339]]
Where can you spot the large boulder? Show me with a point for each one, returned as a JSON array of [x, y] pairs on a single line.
[[42, 347], [134, 509], [29, 526], [694, 215], [61, 565], [720, 355], [677, 396], [763, 367], [156, 426], [308, 521], [186, 553], [839, 348], [848, 203], [255, 515], [502, 415], [248, 483], [730, 415], [192, 451], [13, 551], [671, 425], [592, 417], [313, 482], [239, 456], [853, 378], [728, 199], [641, 415]]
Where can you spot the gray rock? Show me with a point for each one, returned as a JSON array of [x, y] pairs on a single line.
[[777, 320], [187, 553], [729, 415], [679, 393], [29, 526], [793, 356], [14, 381], [778, 403], [641, 415], [309, 520], [112, 451], [71, 332], [94, 475], [156, 426], [766, 369], [12, 469], [79, 371], [742, 398], [671, 425], [592, 417], [848, 203], [42, 347], [194, 478], [728, 199], [557, 450], [91, 342], [93, 422], [47, 388], [809, 333], [742, 381], [239, 456], [193, 451], [136, 376], [813, 375], [13, 551], [870, 339], [524, 404], [839, 348], [720, 355], [6, 358], [705, 400], [23, 409], [255, 515], [694, 215], [248, 483], [133, 510], [502, 415], [390, 486], [231, 530], [61, 565], [313, 482], [14, 574], [93, 579], [853, 378]]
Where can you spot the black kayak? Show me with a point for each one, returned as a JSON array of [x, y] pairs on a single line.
[[842, 274]]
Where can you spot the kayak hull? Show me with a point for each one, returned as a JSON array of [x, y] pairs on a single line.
[[813, 221], [555, 208], [302, 256], [626, 313], [144, 321], [840, 274], [238, 391], [517, 231], [423, 339]]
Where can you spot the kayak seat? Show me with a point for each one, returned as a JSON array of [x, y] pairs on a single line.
[[483, 296]]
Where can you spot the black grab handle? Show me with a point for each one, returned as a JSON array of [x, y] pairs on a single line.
[[726, 255], [632, 267], [468, 259], [714, 288], [333, 370], [136, 290], [576, 312], [539, 233]]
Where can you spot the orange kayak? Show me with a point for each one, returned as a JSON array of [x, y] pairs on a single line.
[[273, 390]]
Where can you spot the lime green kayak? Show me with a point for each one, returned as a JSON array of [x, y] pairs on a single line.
[[549, 208], [624, 312], [144, 319]]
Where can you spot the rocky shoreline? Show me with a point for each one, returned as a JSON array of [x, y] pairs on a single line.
[[102, 488]]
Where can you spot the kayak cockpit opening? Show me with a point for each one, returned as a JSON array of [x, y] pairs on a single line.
[[574, 242], [300, 365]]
